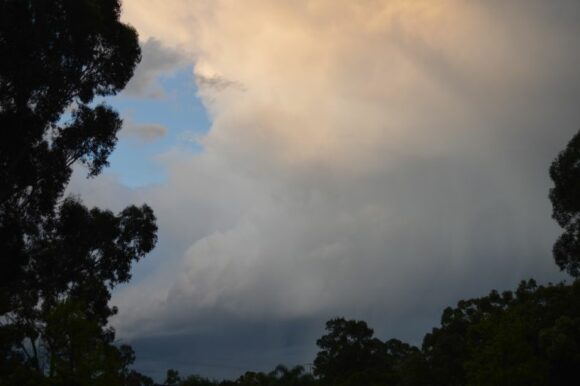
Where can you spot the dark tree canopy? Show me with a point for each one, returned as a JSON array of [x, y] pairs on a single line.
[[59, 259], [527, 337], [348, 348], [58, 55], [530, 336], [565, 197], [55, 57]]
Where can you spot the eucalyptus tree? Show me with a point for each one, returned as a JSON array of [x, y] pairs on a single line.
[[565, 197], [59, 260]]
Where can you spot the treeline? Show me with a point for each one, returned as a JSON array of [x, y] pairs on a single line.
[[527, 337]]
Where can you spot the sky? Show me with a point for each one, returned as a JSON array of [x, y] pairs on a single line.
[[376, 160]]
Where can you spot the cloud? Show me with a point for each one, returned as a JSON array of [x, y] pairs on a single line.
[[383, 160], [145, 132], [216, 82], [157, 60]]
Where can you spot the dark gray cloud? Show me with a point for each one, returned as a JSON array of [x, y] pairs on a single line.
[[240, 346]]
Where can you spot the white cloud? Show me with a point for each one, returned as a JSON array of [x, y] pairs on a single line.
[[157, 60]]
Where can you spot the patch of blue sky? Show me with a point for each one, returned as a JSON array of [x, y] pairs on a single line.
[[179, 110]]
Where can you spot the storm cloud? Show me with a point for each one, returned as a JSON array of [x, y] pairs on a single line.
[[382, 160]]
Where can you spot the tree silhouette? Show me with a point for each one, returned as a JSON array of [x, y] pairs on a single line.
[[284, 376], [56, 57], [565, 197], [527, 337], [348, 347], [60, 260]]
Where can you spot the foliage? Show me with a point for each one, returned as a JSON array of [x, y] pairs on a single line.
[[56, 57], [350, 355], [530, 336], [172, 378], [508, 339], [196, 380], [565, 197], [59, 259], [347, 350], [280, 376]]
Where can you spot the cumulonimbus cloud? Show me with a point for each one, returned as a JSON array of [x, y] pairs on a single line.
[[382, 159]]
